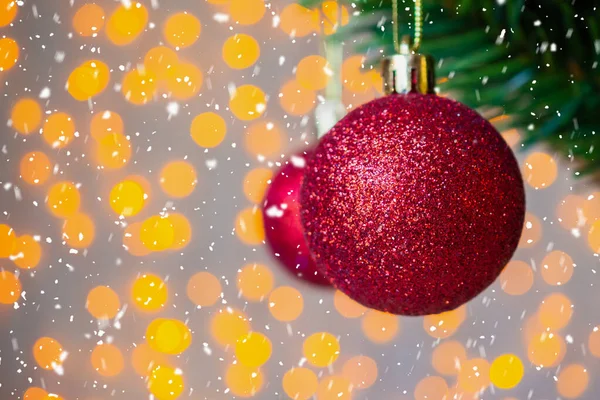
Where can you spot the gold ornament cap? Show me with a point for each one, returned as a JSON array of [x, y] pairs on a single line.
[[408, 72]]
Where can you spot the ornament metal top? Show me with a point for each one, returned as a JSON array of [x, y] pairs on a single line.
[[408, 72]]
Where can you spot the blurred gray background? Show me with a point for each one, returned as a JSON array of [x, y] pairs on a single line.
[[54, 302]]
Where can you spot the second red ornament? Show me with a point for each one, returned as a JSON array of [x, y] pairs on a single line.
[[283, 229]]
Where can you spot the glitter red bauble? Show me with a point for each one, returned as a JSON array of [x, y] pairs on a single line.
[[283, 227], [412, 204]]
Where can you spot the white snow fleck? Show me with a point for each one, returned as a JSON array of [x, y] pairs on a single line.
[[45, 93], [274, 212], [221, 17], [211, 164], [298, 162], [172, 109], [59, 56]]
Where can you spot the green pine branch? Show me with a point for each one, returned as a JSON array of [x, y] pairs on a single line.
[[537, 61]]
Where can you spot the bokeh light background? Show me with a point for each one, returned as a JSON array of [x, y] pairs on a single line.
[[138, 141]]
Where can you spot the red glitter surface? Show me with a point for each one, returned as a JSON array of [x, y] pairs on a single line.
[[283, 228], [412, 204]]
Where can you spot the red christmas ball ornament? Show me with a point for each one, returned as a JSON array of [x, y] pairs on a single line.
[[283, 228], [413, 203]]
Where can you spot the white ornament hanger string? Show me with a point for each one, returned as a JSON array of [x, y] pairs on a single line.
[[331, 109], [332, 50]]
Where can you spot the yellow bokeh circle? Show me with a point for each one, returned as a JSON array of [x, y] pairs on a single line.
[[380, 327], [313, 72], [208, 129], [79, 231], [556, 311], [126, 23], [333, 16], [182, 231], [8, 11], [448, 357], [139, 86], [557, 268], [248, 102], [35, 168], [204, 289], [104, 123], [546, 349], [103, 302], [88, 20], [107, 360], [240, 51], [532, 231], [243, 381], [149, 292], [144, 359], [432, 387], [445, 324], [253, 349], [300, 383], [8, 241], [572, 381], [571, 211], [298, 21], [474, 375], [353, 76], [516, 278], [88, 80], [132, 240], [113, 151], [161, 61], [264, 139], [166, 383], [157, 233], [255, 184], [347, 307], [532, 327], [539, 170], [35, 393], [26, 116], [58, 130], [127, 198], [10, 287], [506, 371], [246, 12], [249, 226], [321, 349], [185, 81], [593, 238], [594, 342], [63, 199], [255, 281], [47, 353], [296, 100], [27, 252], [228, 325], [182, 29], [361, 371], [178, 178], [286, 303], [168, 336], [9, 52], [591, 208]]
